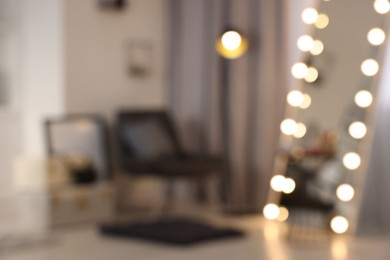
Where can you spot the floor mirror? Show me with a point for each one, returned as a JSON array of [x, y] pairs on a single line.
[[325, 138]]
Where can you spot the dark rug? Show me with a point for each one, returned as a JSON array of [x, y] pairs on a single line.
[[182, 232]]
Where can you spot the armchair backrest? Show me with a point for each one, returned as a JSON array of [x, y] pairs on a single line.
[[80, 135], [146, 135]]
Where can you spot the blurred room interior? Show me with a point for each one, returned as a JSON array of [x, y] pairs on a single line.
[[216, 129]]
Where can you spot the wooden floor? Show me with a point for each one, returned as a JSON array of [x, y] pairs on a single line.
[[262, 242]]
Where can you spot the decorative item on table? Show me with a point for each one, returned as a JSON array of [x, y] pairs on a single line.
[[81, 169]]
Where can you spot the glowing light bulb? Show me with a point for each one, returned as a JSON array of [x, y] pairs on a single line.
[[376, 36], [312, 75], [382, 6], [306, 101], [305, 43], [309, 15], [271, 211], [283, 214], [288, 126], [295, 98], [363, 99], [357, 130], [351, 161], [301, 130], [339, 224], [289, 185], [231, 40], [277, 183], [299, 70], [345, 192], [370, 67], [318, 48], [322, 21]]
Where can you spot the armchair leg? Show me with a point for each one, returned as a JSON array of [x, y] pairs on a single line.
[[169, 195], [123, 184]]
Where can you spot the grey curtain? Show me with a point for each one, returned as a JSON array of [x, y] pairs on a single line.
[[257, 81]]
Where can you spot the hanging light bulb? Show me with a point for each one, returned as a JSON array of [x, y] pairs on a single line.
[[283, 214], [376, 36], [322, 21], [306, 101], [288, 126], [232, 44], [345, 192], [309, 15], [363, 98], [370, 67], [289, 186], [318, 48], [271, 211], [357, 130], [299, 70], [295, 98], [351, 161], [301, 130], [305, 43], [277, 183], [312, 75], [339, 224], [382, 6]]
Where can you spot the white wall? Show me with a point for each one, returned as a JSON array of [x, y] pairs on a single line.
[[10, 87], [34, 71], [96, 77], [42, 82]]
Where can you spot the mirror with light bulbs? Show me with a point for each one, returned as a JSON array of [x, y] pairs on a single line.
[[325, 136]]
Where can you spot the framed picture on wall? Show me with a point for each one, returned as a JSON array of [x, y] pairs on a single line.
[[139, 58]]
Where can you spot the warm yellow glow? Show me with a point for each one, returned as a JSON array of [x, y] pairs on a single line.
[[322, 21], [288, 126], [382, 6], [283, 214], [339, 224], [231, 40], [339, 249], [363, 98], [272, 234], [295, 98], [376, 36], [312, 75], [271, 211], [305, 43], [351, 161], [306, 101], [370, 67], [277, 183], [345, 192], [231, 45], [299, 70], [318, 48], [301, 130], [357, 130], [289, 185], [309, 15]]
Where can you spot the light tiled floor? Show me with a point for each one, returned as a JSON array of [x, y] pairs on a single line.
[[262, 242]]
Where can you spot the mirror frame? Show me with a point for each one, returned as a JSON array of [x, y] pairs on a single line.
[[342, 222]]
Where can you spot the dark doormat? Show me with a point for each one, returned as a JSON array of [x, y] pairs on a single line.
[[182, 232]]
